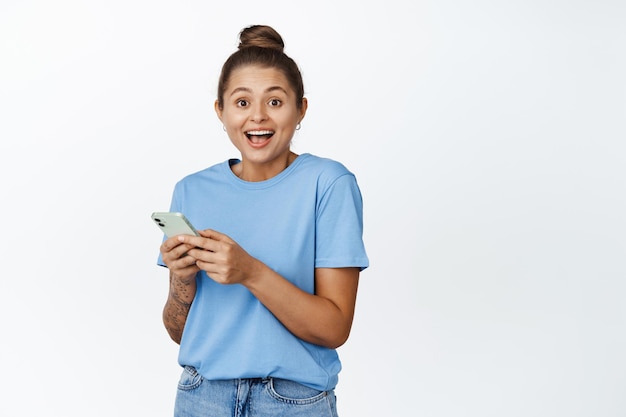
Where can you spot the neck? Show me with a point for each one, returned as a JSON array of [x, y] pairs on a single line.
[[251, 172]]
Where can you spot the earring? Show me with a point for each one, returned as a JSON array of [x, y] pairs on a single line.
[[298, 126], [224, 128]]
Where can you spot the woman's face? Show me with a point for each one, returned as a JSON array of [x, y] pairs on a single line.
[[260, 115]]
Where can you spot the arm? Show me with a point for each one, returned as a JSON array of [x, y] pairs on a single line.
[[323, 318], [177, 306], [182, 287]]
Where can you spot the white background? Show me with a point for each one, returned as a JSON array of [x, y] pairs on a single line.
[[488, 139]]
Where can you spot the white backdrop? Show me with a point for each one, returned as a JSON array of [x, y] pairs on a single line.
[[488, 139]]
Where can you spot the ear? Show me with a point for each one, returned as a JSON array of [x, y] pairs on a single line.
[[305, 105], [218, 111]]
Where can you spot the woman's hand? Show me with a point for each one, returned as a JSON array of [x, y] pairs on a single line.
[[175, 256], [220, 257]]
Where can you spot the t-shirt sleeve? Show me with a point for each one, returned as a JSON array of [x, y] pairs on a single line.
[[339, 226]]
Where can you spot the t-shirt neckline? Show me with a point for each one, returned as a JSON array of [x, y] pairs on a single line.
[[261, 184]]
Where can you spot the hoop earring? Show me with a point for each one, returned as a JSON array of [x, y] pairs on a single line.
[[298, 126]]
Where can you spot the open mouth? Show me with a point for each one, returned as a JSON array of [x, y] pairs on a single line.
[[259, 136]]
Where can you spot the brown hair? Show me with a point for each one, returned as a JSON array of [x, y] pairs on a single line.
[[261, 45]]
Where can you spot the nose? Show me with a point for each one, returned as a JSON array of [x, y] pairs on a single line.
[[259, 113]]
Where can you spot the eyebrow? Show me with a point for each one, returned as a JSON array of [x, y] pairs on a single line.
[[249, 90]]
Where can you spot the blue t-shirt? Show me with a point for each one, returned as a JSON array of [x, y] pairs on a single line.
[[308, 216]]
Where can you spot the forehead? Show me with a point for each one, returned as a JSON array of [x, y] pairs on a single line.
[[258, 79]]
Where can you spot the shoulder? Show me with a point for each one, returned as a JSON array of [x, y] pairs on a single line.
[[204, 174], [208, 177], [330, 179], [324, 168]]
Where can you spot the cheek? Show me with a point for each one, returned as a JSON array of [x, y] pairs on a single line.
[[230, 118], [289, 121]]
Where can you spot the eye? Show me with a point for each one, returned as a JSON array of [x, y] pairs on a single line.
[[242, 103], [275, 102]]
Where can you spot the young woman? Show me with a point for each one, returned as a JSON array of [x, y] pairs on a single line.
[[260, 301]]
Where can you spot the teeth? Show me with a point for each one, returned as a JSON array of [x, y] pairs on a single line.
[[259, 132]]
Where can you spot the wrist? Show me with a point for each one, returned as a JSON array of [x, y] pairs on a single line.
[[182, 289]]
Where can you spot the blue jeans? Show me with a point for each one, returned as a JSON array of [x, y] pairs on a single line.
[[256, 397]]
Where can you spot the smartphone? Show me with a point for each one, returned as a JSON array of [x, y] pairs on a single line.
[[173, 224]]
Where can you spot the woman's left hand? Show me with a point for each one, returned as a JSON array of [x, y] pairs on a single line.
[[220, 257]]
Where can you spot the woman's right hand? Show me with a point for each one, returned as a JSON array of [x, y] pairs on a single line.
[[182, 266]]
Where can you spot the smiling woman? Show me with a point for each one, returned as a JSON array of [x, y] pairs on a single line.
[[260, 101], [260, 113], [260, 301]]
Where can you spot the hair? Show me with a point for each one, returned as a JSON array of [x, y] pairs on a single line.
[[263, 46]]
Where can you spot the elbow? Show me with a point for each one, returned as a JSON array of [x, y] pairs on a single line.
[[336, 339], [175, 336], [335, 344], [337, 334], [340, 341], [173, 331]]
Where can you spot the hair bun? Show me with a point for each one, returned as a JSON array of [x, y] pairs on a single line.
[[261, 36]]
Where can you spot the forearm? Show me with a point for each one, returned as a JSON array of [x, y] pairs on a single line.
[[179, 300], [313, 318], [323, 318]]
